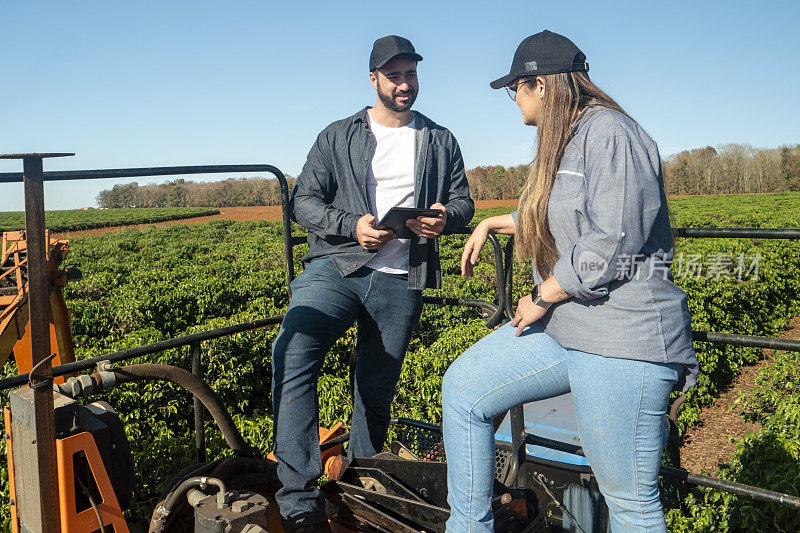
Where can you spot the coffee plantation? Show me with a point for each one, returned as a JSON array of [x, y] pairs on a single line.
[[82, 219], [143, 286]]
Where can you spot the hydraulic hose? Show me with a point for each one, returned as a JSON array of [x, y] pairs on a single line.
[[186, 380], [162, 510]]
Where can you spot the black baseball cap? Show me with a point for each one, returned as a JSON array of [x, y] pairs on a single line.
[[387, 47], [543, 53]]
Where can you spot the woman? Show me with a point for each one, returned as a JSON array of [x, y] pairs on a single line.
[[604, 319]]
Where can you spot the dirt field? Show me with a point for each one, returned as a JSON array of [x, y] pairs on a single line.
[[709, 443], [482, 204], [267, 212]]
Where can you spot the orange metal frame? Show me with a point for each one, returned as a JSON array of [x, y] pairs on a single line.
[[14, 326], [71, 520], [86, 520]]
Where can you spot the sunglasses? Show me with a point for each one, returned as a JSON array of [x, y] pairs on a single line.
[[512, 89]]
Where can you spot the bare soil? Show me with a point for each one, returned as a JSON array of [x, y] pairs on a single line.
[[710, 442], [483, 204], [265, 212]]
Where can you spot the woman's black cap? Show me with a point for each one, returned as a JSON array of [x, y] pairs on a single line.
[[387, 47], [543, 53]]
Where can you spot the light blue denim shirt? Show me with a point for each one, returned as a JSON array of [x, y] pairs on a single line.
[[609, 220]]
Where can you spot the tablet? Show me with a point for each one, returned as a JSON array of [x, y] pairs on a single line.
[[396, 218]]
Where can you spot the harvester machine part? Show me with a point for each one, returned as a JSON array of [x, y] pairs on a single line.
[[94, 464], [422, 440], [245, 510], [335, 466], [416, 515], [392, 494], [400, 450], [14, 326], [518, 511], [360, 515]]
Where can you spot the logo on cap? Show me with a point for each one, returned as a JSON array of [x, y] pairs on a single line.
[[531, 65]]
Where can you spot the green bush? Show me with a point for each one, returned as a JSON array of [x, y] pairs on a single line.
[[769, 458]]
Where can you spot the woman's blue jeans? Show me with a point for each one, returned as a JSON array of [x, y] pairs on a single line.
[[620, 406]]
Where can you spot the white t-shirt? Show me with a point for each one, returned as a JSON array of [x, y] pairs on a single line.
[[390, 183]]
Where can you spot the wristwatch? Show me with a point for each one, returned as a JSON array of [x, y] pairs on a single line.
[[538, 300]]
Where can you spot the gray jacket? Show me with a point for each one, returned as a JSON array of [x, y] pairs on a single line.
[[331, 194], [609, 219]]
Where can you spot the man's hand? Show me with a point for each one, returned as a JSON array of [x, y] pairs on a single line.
[[429, 227], [527, 313], [370, 238]]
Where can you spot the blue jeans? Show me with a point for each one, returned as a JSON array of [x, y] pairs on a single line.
[[324, 305], [620, 406]]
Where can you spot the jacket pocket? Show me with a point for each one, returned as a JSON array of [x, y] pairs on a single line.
[[568, 184]]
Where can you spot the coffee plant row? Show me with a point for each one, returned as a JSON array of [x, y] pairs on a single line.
[[80, 219], [143, 286]]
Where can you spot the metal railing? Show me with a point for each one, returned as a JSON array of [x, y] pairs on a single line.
[[520, 437], [492, 313], [41, 375]]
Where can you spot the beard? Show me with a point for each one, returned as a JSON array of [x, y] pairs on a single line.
[[389, 101]]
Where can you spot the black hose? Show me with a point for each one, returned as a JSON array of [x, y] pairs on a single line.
[[93, 503], [201, 469], [165, 507], [341, 439], [196, 386]]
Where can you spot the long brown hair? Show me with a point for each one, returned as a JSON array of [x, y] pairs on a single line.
[[564, 95]]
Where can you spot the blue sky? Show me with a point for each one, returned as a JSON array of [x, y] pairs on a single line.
[[127, 84]]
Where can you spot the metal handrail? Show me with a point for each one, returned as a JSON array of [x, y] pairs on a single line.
[[148, 349], [65, 175], [704, 233], [504, 274], [520, 437], [681, 474], [737, 233], [108, 173]]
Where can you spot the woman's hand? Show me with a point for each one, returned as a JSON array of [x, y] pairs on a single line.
[[527, 313], [472, 249], [503, 224]]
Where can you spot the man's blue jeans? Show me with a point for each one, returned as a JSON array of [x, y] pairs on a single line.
[[324, 305], [620, 406]]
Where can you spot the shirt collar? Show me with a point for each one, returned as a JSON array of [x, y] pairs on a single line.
[[573, 129], [361, 116]]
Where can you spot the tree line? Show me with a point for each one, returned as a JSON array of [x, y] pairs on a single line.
[[230, 192], [727, 169], [733, 168]]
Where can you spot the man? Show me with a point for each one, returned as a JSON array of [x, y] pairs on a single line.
[[359, 168]]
